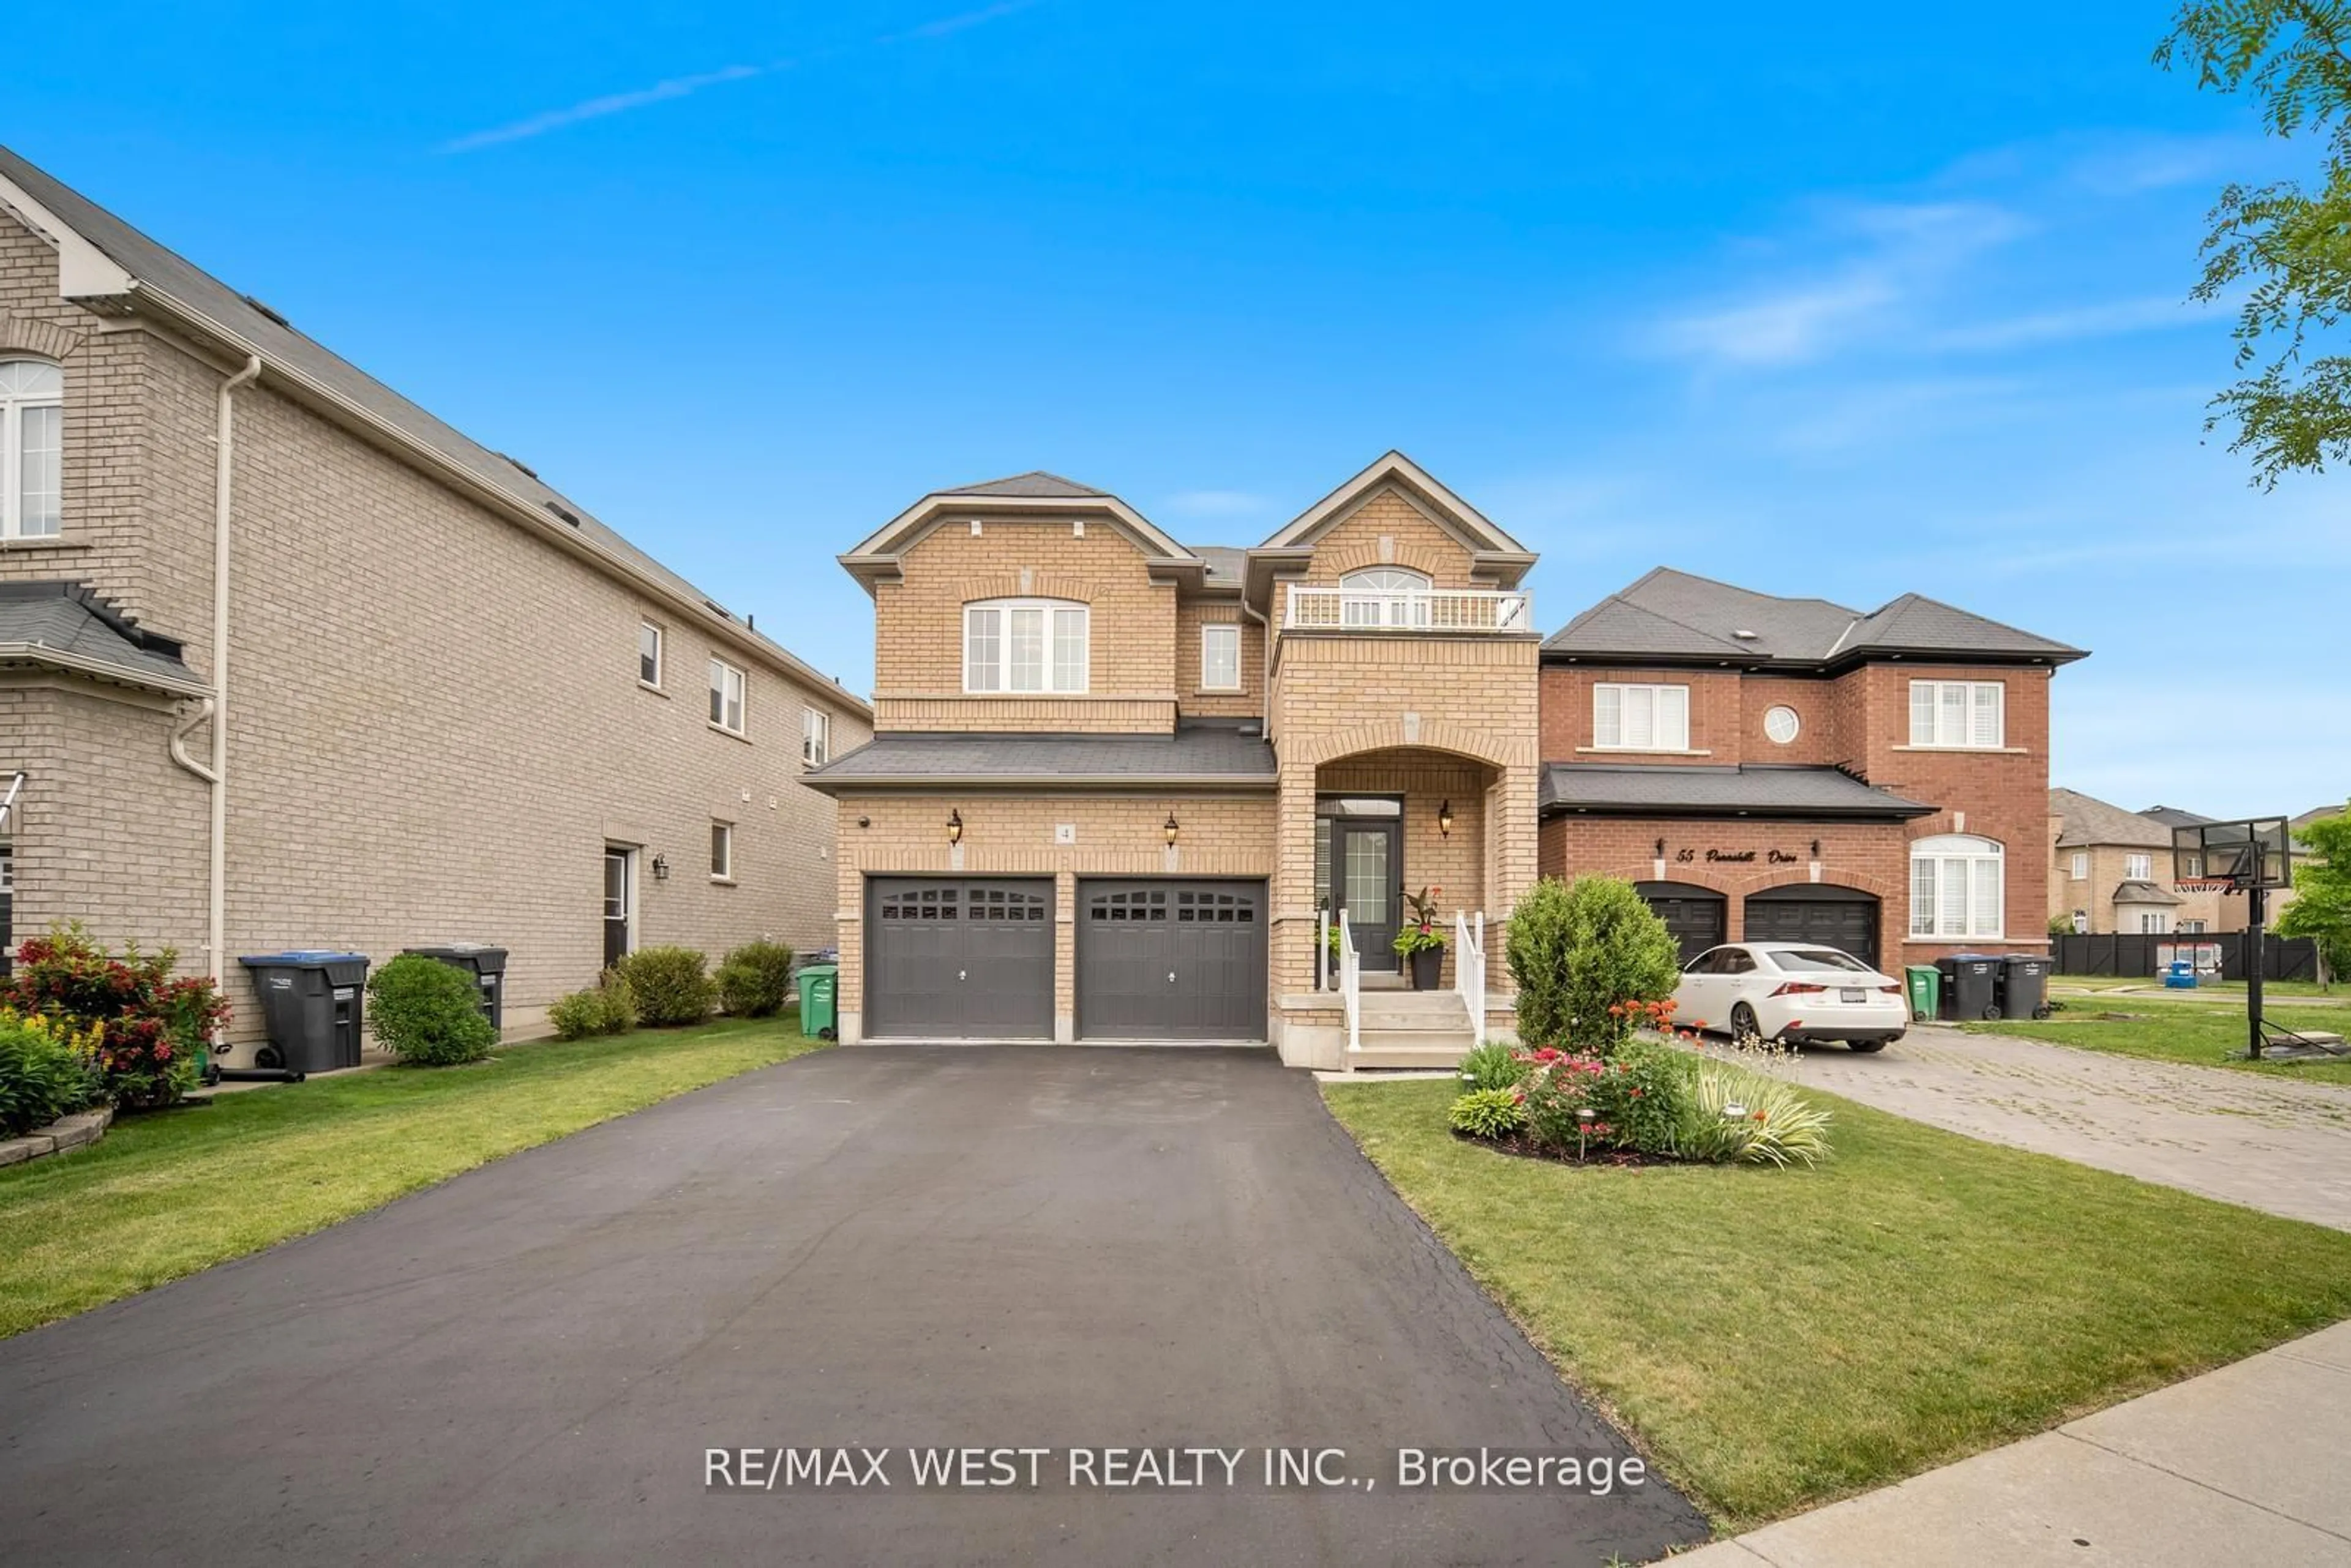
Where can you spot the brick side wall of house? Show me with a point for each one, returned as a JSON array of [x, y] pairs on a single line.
[[1011, 835], [2109, 867], [435, 724], [1131, 676], [1716, 728]]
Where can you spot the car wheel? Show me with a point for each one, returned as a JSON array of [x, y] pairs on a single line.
[[1743, 1022], [1866, 1047]]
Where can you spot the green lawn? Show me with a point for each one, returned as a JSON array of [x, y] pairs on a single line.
[[2205, 1033], [2152, 988], [1778, 1339], [166, 1195]]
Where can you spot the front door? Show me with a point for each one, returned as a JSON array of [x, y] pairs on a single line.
[[1367, 881], [620, 899]]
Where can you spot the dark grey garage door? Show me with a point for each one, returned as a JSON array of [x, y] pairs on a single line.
[[955, 958], [1171, 960], [1840, 917], [1694, 914]]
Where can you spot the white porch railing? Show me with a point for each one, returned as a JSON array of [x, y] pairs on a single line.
[[1409, 609], [1469, 968], [1351, 984]]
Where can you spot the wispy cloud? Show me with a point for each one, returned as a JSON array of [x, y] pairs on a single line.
[[2116, 316], [677, 87]]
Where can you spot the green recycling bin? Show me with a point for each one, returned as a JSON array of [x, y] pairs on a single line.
[[1925, 990], [819, 1001]]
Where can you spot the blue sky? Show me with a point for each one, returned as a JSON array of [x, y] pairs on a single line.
[[1857, 303]]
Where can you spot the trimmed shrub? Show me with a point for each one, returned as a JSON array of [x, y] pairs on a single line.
[[46, 1071], [669, 985], [1489, 1114], [1493, 1065], [754, 978], [1580, 953], [428, 1013], [149, 1027], [1638, 1099], [608, 1006]]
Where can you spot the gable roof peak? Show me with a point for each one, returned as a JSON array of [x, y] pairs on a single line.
[[1036, 483], [1393, 467]]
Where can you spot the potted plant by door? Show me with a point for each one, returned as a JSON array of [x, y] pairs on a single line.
[[1420, 945]]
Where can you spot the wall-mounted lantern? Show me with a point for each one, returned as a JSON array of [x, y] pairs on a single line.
[[661, 868], [1171, 830], [1445, 820], [954, 826], [1816, 849], [1661, 849]]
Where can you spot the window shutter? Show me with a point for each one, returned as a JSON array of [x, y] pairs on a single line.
[[1987, 714]]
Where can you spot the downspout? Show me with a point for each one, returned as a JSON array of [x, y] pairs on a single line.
[[217, 705], [1265, 666]]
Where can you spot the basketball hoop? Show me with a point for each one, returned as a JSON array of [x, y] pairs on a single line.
[[2207, 884], [2251, 857]]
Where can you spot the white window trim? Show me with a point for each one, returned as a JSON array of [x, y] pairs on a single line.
[[1051, 684], [726, 871], [1967, 741], [1971, 853], [13, 407], [1209, 632], [660, 654], [816, 737], [719, 670], [2079, 868], [2138, 868], [1660, 743]]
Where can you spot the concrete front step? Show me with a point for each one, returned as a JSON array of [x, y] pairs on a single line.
[[1398, 1049]]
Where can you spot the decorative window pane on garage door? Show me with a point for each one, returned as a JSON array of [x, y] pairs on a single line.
[[1003, 906], [1136, 904], [1223, 908]]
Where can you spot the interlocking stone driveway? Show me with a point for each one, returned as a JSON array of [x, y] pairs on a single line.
[[2269, 1143], [1036, 1246]]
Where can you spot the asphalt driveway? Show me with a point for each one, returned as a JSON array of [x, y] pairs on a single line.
[[1041, 1247]]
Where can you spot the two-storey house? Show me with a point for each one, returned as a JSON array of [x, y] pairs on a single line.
[[1125, 788], [1769, 769], [286, 662]]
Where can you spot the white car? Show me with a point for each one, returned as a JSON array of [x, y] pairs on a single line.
[[1793, 992]]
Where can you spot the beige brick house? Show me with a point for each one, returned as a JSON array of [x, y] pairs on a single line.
[[286, 662], [2112, 870], [1119, 785]]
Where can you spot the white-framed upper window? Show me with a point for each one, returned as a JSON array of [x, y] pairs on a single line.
[[649, 653], [2191, 929], [722, 852], [1024, 645], [2080, 869], [32, 449], [728, 684], [816, 736], [1959, 714], [2138, 868], [1384, 596], [1956, 888], [1640, 718], [1220, 658]]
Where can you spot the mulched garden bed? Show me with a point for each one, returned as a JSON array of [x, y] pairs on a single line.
[[1519, 1147]]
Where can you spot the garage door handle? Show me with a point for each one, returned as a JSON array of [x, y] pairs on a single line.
[[963, 974], [1171, 976]]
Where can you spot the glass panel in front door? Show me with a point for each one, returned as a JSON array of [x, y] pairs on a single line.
[[1367, 878]]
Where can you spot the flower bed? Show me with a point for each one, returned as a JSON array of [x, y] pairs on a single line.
[[1654, 1099]]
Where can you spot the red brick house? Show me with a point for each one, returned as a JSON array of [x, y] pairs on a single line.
[[1776, 768]]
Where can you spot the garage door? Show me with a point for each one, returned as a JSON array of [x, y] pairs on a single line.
[[959, 959], [1839, 918], [1160, 959], [1696, 915]]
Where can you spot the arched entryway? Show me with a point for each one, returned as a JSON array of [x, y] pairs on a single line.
[[1698, 916], [1844, 918]]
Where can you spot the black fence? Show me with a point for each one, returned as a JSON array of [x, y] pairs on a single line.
[[2134, 953]]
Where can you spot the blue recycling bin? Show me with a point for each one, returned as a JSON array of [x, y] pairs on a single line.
[[2180, 975]]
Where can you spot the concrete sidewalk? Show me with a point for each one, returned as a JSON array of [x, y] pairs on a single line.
[[2242, 1465]]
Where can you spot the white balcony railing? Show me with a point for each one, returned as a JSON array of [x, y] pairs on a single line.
[[1407, 609]]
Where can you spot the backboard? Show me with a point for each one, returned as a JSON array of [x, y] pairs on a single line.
[[2233, 856]]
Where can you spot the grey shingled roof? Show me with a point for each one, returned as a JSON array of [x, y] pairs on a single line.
[[1036, 483], [2135, 892], [1227, 563], [1750, 789], [166, 272], [2173, 816], [2085, 820], [71, 619], [1676, 614], [1197, 753]]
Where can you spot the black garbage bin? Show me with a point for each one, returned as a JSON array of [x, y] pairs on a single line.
[[2025, 986], [1971, 985], [312, 1001], [488, 968]]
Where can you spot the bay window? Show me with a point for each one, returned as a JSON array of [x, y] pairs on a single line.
[[1024, 645]]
